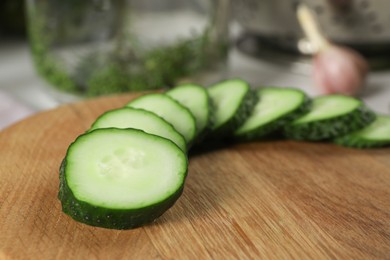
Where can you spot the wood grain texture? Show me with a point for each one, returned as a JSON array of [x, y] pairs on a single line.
[[268, 200]]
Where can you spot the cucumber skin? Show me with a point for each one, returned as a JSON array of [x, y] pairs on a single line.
[[265, 130], [243, 112], [201, 136], [183, 146], [354, 141], [209, 126], [358, 140], [193, 135], [110, 218], [331, 128]]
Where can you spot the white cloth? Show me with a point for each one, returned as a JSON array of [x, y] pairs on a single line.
[[11, 110]]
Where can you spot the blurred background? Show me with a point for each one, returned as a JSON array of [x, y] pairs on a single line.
[[53, 52]]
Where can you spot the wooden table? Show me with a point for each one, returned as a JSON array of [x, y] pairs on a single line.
[[269, 200]]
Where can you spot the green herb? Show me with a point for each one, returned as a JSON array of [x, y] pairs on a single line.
[[40, 41], [127, 68], [158, 68]]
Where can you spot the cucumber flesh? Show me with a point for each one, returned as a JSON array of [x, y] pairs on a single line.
[[233, 102], [197, 100], [330, 117], [169, 109], [275, 108], [121, 178], [328, 107], [376, 134], [139, 119]]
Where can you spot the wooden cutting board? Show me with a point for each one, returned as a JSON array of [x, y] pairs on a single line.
[[268, 200]]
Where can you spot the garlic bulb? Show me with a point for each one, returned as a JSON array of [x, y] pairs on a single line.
[[336, 69]]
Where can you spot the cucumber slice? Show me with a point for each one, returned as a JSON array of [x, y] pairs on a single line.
[[169, 109], [275, 108], [233, 102], [197, 100], [121, 178], [139, 119], [376, 134], [330, 116]]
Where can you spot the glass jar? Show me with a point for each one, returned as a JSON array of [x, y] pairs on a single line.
[[97, 47]]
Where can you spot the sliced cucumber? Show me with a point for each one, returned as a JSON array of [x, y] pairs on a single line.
[[232, 101], [197, 100], [169, 109], [139, 119], [376, 134], [121, 178], [275, 108], [330, 116]]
